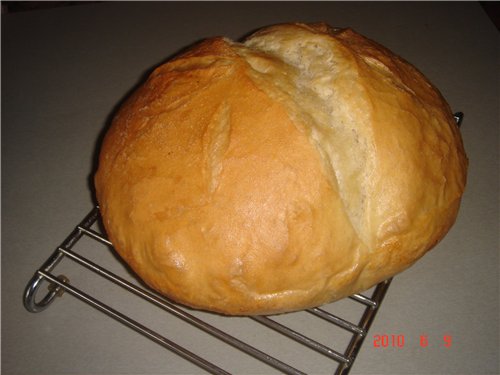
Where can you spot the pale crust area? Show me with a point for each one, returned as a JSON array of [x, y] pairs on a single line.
[[299, 167]]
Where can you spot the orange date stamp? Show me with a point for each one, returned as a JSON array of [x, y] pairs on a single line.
[[400, 341]]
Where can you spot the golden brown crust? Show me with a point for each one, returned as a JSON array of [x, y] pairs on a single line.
[[286, 172]]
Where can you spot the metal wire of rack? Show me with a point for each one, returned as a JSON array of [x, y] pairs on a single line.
[[57, 285]]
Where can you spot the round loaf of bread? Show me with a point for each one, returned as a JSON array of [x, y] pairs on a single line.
[[293, 169]]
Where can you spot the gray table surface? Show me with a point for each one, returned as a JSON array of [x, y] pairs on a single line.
[[65, 70]]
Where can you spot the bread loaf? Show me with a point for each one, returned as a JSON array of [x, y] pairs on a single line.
[[293, 169]]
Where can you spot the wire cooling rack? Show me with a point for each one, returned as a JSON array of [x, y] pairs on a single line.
[[340, 356]]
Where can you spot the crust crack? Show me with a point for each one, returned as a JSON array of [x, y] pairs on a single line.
[[215, 143]]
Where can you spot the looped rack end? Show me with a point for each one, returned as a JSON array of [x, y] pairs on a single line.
[[458, 116], [55, 289]]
